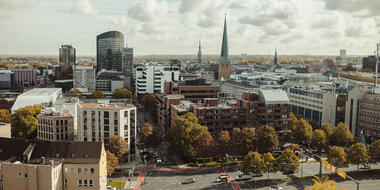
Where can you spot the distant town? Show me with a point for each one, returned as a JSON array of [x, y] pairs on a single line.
[[117, 121]]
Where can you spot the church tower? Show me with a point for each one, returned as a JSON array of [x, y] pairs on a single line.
[[275, 57], [224, 65], [199, 60]]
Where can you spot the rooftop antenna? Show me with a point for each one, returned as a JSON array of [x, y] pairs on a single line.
[[377, 65]]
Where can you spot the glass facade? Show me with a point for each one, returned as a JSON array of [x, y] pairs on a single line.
[[109, 47]]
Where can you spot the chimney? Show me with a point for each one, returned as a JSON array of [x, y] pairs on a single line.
[[27, 153], [51, 162], [42, 159]]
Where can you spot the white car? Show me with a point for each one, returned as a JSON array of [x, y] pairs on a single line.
[[158, 160]]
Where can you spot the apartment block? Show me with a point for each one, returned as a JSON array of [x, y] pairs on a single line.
[[41, 165], [25, 77], [369, 116], [150, 78], [84, 78], [55, 126], [99, 122]]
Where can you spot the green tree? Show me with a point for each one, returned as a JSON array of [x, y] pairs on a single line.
[[358, 154], [118, 146], [327, 129], [76, 91], [269, 163], [96, 94], [374, 151], [5, 116], [223, 143], [253, 163], [149, 136], [205, 145], [337, 157], [24, 122], [112, 162], [318, 139], [183, 135], [123, 93], [341, 136], [302, 131], [288, 162], [243, 140], [267, 139], [293, 119]]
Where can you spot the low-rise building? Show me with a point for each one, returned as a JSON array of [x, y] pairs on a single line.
[[5, 130], [25, 76], [55, 126], [193, 90], [37, 96], [41, 165], [369, 116]]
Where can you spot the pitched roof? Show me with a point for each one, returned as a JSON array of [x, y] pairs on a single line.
[[224, 55], [11, 149]]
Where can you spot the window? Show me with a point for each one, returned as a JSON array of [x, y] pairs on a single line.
[[85, 170], [80, 183], [72, 171], [92, 170], [91, 184], [79, 170], [65, 170], [65, 183], [65, 122], [19, 175], [85, 183], [25, 176]]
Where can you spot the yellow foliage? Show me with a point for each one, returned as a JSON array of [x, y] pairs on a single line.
[[324, 183]]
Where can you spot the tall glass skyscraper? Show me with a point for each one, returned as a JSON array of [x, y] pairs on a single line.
[[109, 51]]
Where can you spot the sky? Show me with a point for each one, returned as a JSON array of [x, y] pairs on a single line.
[[255, 27]]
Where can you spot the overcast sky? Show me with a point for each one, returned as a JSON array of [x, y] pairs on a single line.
[[319, 27]]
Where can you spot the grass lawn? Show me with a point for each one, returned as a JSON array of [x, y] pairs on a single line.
[[117, 184], [214, 163]]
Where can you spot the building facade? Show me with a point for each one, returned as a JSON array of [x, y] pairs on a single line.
[[67, 61], [6, 79], [100, 122], [38, 165], [109, 50], [5, 130], [84, 78], [369, 116], [55, 126], [369, 62], [150, 78], [25, 77]]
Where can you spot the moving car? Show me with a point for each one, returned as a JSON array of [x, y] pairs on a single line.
[[275, 187], [243, 177], [222, 178], [189, 180]]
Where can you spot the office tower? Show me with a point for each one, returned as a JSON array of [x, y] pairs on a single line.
[[84, 78], [343, 53], [127, 55], [199, 60], [67, 60], [109, 48], [224, 65]]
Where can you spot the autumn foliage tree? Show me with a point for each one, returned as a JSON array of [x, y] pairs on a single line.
[[337, 157], [318, 139], [288, 162], [112, 162], [253, 163], [341, 135], [358, 154], [269, 163], [302, 131], [243, 140], [149, 136], [267, 139], [5, 116], [223, 145], [117, 146], [96, 94], [374, 151], [123, 93], [205, 145], [184, 135], [24, 122]]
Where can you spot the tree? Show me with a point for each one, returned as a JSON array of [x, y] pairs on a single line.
[[117, 146], [337, 157], [24, 122], [358, 154], [288, 162], [223, 143], [374, 151], [205, 145], [122, 93], [112, 162], [318, 139], [5, 116], [267, 140], [293, 119], [253, 163], [341, 135], [243, 140], [17, 87], [149, 136], [324, 183], [76, 91], [270, 163], [302, 131], [327, 129], [183, 135], [314, 124], [96, 94]]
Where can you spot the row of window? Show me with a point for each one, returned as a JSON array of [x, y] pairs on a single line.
[[51, 129], [83, 183], [81, 170], [50, 122]]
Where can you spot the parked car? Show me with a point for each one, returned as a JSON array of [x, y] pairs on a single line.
[[188, 180], [222, 178], [275, 187], [158, 160], [243, 177]]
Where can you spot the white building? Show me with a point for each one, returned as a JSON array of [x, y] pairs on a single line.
[[100, 122], [84, 78], [150, 78], [37, 96], [313, 104]]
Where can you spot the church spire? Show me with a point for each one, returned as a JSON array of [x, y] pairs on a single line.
[[275, 57], [199, 61], [224, 55]]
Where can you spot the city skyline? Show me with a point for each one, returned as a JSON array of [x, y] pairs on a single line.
[[167, 27]]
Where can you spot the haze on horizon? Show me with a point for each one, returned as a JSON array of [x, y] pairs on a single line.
[[169, 27]]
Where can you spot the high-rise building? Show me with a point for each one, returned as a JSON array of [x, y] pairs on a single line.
[[127, 60], [84, 78], [343, 53], [67, 60], [224, 65], [109, 50], [199, 60]]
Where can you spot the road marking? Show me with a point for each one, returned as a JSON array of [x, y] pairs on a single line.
[[235, 186], [140, 179], [184, 171]]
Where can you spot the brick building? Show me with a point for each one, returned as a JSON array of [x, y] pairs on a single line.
[[369, 116], [55, 126]]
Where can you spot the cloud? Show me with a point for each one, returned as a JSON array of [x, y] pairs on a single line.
[[325, 21], [361, 28], [189, 5], [241, 4], [121, 21], [368, 7], [14, 3], [84, 7]]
